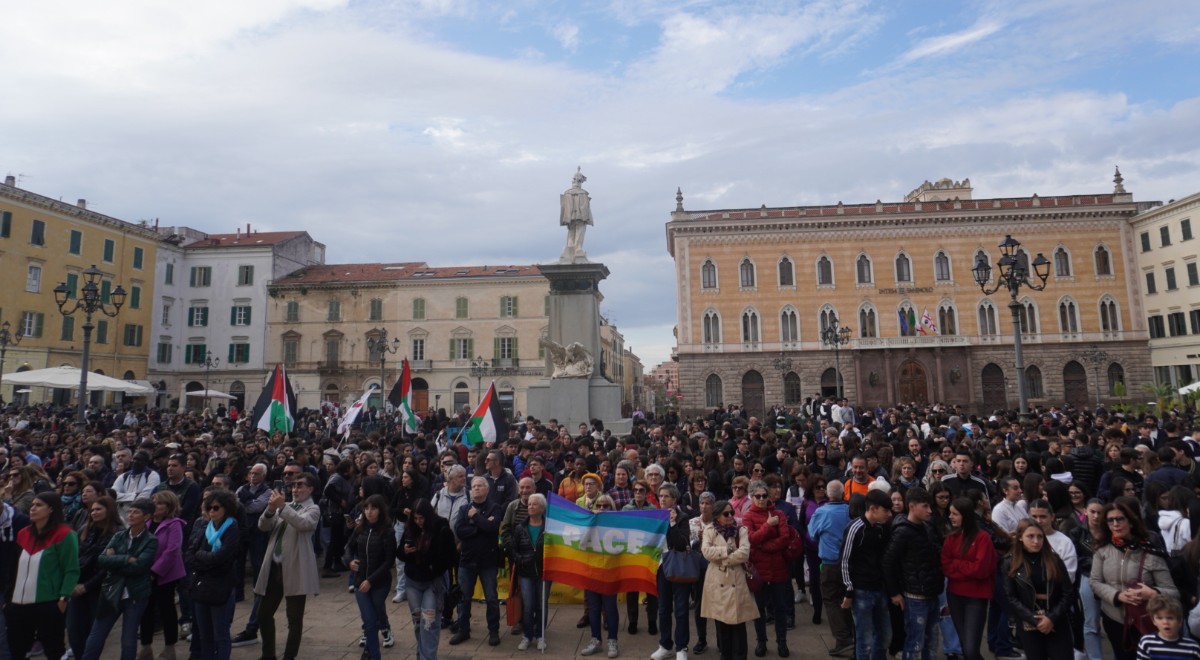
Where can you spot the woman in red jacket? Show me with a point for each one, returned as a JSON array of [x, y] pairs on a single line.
[[969, 563], [769, 534]]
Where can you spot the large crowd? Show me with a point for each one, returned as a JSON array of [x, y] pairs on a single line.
[[912, 530]]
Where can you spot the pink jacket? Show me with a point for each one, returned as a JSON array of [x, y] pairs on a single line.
[[168, 560]]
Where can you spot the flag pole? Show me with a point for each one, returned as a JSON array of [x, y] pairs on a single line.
[[543, 604]]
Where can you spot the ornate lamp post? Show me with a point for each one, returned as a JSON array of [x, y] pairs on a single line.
[[479, 369], [7, 339], [783, 365], [1097, 358], [836, 337], [1014, 273], [90, 301], [210, 362], [379, 346]]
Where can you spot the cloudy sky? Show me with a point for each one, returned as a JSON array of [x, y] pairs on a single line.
[[444, 130]]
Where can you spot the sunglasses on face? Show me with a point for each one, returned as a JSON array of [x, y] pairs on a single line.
[[215, 507], [1116, 520], [639, 490], [759, 496], [725, 514], [70, 483], [603, 506]]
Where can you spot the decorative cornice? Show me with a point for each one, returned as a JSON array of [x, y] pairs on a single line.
[[77, 212]]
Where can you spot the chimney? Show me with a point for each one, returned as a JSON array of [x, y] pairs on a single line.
[[247, 228], [82, 203], [238, 232], [10, 180]]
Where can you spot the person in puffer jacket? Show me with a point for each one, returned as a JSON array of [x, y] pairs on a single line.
[[769, 533], [371, 551], [912, 571]]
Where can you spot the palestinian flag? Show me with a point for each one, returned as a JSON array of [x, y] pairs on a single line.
[[487, 424], [401, 398], [276, 407]]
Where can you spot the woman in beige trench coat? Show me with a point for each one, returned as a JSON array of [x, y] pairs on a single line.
[[727, 599]]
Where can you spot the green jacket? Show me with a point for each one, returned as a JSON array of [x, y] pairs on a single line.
[[48, 569], [136, 575]]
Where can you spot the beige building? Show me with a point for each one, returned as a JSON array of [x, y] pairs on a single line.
[[45, 242], [756, 288], [1167, 275]]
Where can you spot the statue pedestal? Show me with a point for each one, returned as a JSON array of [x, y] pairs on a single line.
[[575, 317]]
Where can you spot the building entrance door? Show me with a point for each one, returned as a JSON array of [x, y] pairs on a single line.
[[994, 395], [753, 399], [913, 388], [1075, 384]]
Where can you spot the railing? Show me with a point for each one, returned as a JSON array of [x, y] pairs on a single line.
[[919, 340]]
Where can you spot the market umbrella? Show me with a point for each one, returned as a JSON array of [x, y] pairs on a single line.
[[68, 378], [211, 394], [1188, 389]]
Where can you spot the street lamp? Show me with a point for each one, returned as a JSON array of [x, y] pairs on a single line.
[[7, 339], [836, 337], [479, 369], [379, 346], [1014, 273], [90, 301], [783, 365], [1096, 358], [210, 362]]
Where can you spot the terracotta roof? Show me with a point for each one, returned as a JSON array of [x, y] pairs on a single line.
[[403, 271], [256, 239], [895, 208]]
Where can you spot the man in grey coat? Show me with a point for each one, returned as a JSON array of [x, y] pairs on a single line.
[[289, 569]]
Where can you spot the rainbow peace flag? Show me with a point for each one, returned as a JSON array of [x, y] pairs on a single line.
[[610, 552]]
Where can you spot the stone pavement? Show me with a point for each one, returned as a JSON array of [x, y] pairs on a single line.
[[332, 628]]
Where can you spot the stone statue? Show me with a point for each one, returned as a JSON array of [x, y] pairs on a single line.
[[570, 361], [576, 215]]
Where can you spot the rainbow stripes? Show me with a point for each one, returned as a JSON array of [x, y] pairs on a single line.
[[610, 552]]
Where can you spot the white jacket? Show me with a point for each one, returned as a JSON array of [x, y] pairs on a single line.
[[1176, 530]]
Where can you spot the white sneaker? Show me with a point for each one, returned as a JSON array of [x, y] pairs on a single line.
[[682, 655], [399, 597], [799, 596], [524, 644], [591, 648], [661, 654], [541, 645], [612, 648]]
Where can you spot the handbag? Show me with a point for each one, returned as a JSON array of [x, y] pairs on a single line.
[[754, 581], [680, 567], [1136, 616]]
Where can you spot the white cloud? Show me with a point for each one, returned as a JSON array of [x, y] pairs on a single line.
[[949, 43], [566, 34]]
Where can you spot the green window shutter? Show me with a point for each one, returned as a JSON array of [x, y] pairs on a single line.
[[541, 351], [72, 284], [233, 316], [470, 348], [453, 355], [38, 320], [496, 348], [514, 306], [105, 289], [109, 246], [5, 224], [135, 297], [138, 257], [68, 328], [546, 305], [139, 334], [101, 332], [187, 354], [76, 241], [247, 315], [515, 354], [192, 277], [232, 354], [190, 319], [204, 316]]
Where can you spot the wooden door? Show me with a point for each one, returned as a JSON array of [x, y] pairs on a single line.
[[994, 395], [913, 387], [753, 398], [1075, 384]]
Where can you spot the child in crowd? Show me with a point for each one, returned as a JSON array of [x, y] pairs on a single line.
[[1168, 643]]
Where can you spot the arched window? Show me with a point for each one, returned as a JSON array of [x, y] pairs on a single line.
[[907, 321], [1110, 317], [791, 389], [1068, 317], [827, 318], [1033, 382], [711, 327], [903, 268], [713, 396], [1062, 263], [789, 326], [862, 270], [824, 271], [1116, 374], [708, 275], [750, 326], [867, 324], [787, 272], [746, 272], [947, 319], [941, 267], [1103, 261], [1028, 316], [987, 319]]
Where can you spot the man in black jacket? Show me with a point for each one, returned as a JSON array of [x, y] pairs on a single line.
[[477, 526], [912, 570], [862, 573]]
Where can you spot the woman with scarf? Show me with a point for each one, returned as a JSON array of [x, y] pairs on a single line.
[[1127, 571], [47, 571], [88, 494], [70, 489], [211, 557], [103, 522], [167, 570], [727, 599], [427, 548], [371, 551]]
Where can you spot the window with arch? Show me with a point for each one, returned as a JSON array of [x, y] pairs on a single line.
[[1110, 317], [1103, 259], [1116, 374], [1027, 315], [750, 326], [791, 389], [1068, 317], [941, 267], [867, 323], [789, 325], [903, 268], [787, 272], [711, 327], [746, 273], [987, 319], [1062, 263], [1033, 382], [708, 275], [827, 318], [947, 319], [862, 270], [907, 322], [824, 271], [713, 395]]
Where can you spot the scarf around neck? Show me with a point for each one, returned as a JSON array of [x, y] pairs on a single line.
[[213, 534]]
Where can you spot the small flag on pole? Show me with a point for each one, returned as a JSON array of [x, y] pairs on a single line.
[[401, 398], [927, 325], [275, 409], [353, 411], [487, 423]]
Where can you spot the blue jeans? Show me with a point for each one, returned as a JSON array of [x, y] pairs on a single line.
[[81, 612], [999, 638], [532, 606], [950, 642], [131, 617], [466, 581], [872, 624], [370, 606], [773, 596], [211, 628], [673, 600], [921, 618], [970, 620], [400, 577], [1091, 620], [425, 604], [602, 603]]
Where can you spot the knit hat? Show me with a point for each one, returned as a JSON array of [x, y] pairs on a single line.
[[593, 475]]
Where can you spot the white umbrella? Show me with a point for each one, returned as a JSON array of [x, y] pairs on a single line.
[[68, 378], [1188, 389], [210, 394]]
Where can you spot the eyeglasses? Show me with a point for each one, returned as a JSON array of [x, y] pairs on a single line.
[[1116, 520], [937, 472], [819, 487], [639, 490], [759, 496], [726, 514], [447, 463], [757, 470], [603, 506], [739, 488], [70, 483], [214, 507]]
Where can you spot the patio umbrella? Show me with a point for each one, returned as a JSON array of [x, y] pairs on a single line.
[[1188, 389], [211, 394], [68, 378]]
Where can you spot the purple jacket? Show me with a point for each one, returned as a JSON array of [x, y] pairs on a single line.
[[168, 560]]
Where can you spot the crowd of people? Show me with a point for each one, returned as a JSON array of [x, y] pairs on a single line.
[[912, 530]]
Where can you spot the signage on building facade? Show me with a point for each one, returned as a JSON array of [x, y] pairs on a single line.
[[904, 291]]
